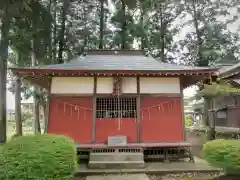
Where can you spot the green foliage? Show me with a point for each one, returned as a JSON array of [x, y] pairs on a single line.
[[160, 30], [211, 41], [223, 154], [217, 89], [27, 115], [38, 157], [188, 120], [148, 23]]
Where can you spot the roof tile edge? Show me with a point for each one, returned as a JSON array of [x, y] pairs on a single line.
[[121, 52]]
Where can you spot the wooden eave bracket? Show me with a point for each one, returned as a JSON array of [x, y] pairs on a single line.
[[42, 81]]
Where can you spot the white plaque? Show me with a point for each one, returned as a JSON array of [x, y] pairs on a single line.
[[117, 140]]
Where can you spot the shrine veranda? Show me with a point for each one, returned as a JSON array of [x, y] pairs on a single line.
[[123, 94]]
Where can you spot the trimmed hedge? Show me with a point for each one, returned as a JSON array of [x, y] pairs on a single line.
[[224, 154], [188, 120], [38, 157]]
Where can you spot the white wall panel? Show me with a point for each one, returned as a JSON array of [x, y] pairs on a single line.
[[72, 85], [129, 85], [155, 85], [104, 85]]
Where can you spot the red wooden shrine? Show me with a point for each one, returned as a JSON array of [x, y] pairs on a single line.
[[111, 93]]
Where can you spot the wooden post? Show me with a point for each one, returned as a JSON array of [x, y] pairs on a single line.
[[213, 121], [94, 110], [36, 122], [18, 113], [138, 111]]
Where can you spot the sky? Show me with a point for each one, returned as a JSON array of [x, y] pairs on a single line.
[[10, 100]]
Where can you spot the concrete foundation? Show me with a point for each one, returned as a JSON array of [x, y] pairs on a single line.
[[153, 168], [116, 160]]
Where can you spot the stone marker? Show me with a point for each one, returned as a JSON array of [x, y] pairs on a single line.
[[117, 141], [119, 177]]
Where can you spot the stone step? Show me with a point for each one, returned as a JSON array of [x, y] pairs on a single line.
[[116, 164], [116, 157], [119, 177]]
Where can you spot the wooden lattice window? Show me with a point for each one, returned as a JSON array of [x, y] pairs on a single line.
[[116, 107]]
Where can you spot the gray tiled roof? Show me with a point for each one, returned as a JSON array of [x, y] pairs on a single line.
[[117, 62], [237, 81], [229, 68]]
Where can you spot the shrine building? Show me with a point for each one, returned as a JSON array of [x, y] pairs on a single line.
[[116, 99]]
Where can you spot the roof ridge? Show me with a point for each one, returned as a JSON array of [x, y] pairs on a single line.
[[118, 63]]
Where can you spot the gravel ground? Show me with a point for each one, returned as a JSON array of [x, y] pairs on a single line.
[[185, 176], [181, 176]]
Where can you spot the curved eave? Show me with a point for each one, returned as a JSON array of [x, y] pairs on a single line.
[[233, 73], [42, 77], [55, 72]]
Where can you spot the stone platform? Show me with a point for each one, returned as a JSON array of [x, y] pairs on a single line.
[[200, 166], [119, 177]]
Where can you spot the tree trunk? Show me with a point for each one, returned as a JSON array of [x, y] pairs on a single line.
[[101, 24], [85, 44], [86, 35], [162, 33], [206, 107], [200, 60], [209, 123], [69, 55], [45, 115], [3, 71], [124, 26], [141, 25], [54, 41], [49, 45], [36, 106], [61, 42], [212, 134], [18, 113], [36, 123], [144, 37]]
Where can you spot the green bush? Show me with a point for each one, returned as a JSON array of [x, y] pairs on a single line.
[[188, 120], [224, 154], [38, 157]]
